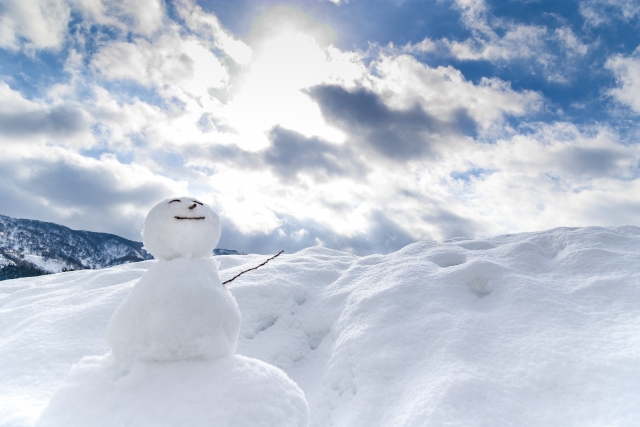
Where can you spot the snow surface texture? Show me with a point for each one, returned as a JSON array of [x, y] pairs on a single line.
[[178, 313], [535, 329]]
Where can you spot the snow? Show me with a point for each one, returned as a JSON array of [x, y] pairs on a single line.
[[530, 329], [4, 261], [181, 227], [51, 265]]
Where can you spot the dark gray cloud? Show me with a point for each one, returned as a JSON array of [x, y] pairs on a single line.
[[399, 135], [60, 121], [291, 153], [90, 198], [594, 162], [447, 222], [234, 155], [372, 127], [73, 185]]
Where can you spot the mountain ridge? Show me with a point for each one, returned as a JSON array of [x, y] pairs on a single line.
[[32, 248]]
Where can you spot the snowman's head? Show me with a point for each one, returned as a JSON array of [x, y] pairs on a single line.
[[181, 227]]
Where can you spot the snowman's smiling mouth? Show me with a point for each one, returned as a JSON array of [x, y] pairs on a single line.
[[186, 217]]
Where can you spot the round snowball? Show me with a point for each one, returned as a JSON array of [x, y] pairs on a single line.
[[178, 310], [181, 227]]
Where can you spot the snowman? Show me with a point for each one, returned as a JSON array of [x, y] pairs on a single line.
[[173, 340], [179, 308]]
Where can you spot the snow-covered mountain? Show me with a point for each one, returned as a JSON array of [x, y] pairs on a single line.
[[528, 330], [32, 248]]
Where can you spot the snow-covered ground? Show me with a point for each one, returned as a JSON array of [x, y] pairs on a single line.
[[52, 265], [535, 329]]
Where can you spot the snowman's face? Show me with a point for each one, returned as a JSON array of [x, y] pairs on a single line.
[[193, 204], [181, 227]]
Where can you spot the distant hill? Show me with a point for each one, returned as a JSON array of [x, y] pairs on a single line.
[[33, 248]]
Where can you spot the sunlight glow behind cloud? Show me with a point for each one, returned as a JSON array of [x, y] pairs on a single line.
[[269, 92]]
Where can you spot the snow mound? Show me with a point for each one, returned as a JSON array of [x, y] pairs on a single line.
[[232, 391], [530, 329]]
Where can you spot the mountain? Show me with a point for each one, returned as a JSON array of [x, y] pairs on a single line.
[[33, 248]]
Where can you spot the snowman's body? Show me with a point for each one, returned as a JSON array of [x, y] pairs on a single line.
[[172, 340], [178, 310]]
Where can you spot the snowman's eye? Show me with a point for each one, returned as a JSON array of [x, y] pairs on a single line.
[[174, 200], [195, 201]]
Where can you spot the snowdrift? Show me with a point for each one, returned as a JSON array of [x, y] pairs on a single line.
[[534, 329]]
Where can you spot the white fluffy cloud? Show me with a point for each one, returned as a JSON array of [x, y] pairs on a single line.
[[553, 175], [601, 12], [502, 41], [208, 28], [168, 62], [43, 24], [518, 41], [558, 175], [626, 69], [444, 92]]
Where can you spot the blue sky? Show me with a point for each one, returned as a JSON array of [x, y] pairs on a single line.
[[360, 125]]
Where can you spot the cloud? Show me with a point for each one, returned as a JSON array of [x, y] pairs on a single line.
[[382, 236], [96, 195], [297, 142], [282, 19], [543, 176], [502, 41], [54, 122], [24, 120], [565, 151], [602, 12], [291, 153], [554, 174], [168, 62], [147, 15], [208, 28], [269, 91], [626, 70], [518, 41], [396, 134], [43, 24], [571, 43], [444, 94]]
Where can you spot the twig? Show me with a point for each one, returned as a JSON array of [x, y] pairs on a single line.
[[254, 268]]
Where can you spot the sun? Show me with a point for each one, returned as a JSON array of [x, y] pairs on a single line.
[[270, 91]]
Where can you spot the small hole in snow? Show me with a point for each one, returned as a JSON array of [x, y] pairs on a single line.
[[449, 259]]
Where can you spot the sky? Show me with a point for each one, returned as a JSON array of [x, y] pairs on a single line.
[[356, 125]]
